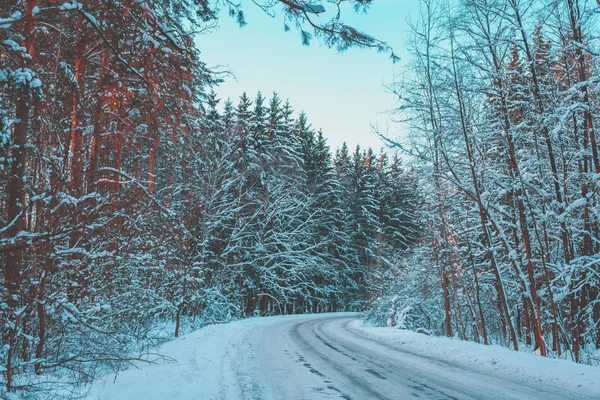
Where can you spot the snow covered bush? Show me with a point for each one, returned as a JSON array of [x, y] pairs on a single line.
[[412, 298]]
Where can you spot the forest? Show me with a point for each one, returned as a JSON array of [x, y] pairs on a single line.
[[134, 198], [137, 205], [501, 107]]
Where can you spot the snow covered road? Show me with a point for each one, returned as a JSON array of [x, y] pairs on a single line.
[[331, 356]]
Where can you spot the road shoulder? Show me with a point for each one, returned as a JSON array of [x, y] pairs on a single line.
[[492, 360]]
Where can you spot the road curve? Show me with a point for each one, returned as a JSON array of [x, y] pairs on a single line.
[[325, 358]]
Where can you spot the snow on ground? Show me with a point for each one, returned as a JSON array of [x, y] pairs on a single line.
[[329, 356], [492, 360], [215, 362]]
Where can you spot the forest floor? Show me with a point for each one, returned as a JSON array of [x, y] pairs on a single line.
[[334, 356]]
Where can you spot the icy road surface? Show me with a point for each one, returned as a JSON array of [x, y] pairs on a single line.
[[332, 356]]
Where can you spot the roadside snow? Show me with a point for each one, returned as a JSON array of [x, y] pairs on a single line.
[[492, 360], [215, 362]]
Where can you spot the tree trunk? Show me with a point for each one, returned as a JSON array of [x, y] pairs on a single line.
[[16, 209], [448, 319], [152, 159], [78, 125], [98, 124]]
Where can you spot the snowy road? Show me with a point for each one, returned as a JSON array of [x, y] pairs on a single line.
[[326, 359], [330, 357]]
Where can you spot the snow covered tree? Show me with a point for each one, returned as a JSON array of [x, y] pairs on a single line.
[[501, 125]]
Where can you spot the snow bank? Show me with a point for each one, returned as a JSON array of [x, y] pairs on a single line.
[[215, 362], [491, 360], [192, 369]]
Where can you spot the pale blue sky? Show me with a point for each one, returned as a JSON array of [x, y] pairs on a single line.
[[341, 93]]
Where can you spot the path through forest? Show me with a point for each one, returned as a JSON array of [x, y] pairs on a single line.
[[332, 356]]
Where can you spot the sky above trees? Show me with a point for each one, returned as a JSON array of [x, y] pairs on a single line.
[[350, 86]]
